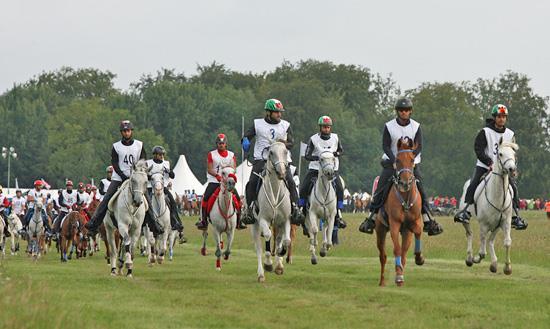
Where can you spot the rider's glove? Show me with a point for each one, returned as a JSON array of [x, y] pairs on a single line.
[[246, 144]]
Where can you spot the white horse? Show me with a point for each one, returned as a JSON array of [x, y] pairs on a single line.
[[171, 243], [274, 210], [2, 237], [35, 231], [14, 226], [128, 206], [322, 205], [161, 212], [223, 215], [494, 207]]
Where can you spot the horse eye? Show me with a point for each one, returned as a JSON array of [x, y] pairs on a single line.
[[500, 154]]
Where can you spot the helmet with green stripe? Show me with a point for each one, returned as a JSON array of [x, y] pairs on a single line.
[[274, 105], [499, 109], [325, 120]]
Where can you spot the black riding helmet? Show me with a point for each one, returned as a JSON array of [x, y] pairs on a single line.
[[404, 103], [126, 125], [159, 150]]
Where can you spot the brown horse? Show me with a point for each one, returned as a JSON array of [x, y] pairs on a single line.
[[81, 241], [190, 207], [103, 235], [403, 206], [68, 233], [91, 209]]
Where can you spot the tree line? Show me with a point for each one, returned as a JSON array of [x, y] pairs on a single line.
[[62, 123]]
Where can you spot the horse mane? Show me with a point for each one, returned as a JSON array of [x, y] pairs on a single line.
[[405, 143], [141, 165], [513, 145]]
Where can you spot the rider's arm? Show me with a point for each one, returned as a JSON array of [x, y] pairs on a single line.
[[101, 188], [143, 155], [250, 133], [289, 139], [61, 201], [418, 141], [171, 174], [339, 150], [309, 151], [114, 163], [210, 165], [479, 147], [386, 144]]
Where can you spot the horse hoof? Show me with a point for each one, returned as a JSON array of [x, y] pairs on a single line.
[[289, 260], [493, 267], [323, 253], [225, 257], [203, 252], [399, 280], [281, 252], [129, 276], [268, 267], [279, 270], [313, 261], [507, 269], [469, 262], [419, 260], [261, 279], [381, 284]]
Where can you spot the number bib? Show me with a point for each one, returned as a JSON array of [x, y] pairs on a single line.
[[127, 156]]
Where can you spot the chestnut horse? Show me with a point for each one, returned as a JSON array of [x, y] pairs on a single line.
[[68, 233], [403, 206]]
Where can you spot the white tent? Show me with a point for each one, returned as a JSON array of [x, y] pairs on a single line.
[[185, 179]]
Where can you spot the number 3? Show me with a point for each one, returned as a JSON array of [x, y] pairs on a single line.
[[272, 133]]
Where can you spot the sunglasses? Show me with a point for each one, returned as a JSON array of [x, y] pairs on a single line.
[[404, 110]]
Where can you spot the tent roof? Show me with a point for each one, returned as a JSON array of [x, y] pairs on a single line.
[[185, 179]]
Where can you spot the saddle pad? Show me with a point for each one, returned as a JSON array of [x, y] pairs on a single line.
[[117, 193], [214, 197]]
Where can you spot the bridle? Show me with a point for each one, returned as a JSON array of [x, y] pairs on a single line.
[[405, 187]]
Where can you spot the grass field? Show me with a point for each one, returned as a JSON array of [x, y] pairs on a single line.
[[340, 292]]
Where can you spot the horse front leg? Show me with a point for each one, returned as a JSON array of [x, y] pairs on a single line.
[[112, 249], [330, 229], [381, 232], [280, 250], [230, 237], [492, 236], [313, 229], [258, 246], [218, 252], [469, 248], [394, 233], [204, 252], [483, 230], [292, 238], [507, 245]]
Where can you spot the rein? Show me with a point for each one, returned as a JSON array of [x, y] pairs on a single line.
[[406, 204], [327, 188], [228, 206]]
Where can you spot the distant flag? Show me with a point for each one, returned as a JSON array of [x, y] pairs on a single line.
[[45, 184]]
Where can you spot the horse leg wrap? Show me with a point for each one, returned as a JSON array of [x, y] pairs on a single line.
[[417, 245], [398, 261], [127, 248]]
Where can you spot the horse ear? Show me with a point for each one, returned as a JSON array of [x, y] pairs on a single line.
[[410, 142], [399, 143]]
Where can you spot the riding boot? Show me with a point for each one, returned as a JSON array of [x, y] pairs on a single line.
[[463, 216], [240, 224], [368, 225], [175, 223], [248, 216], [7, 233], [296, 216], [338, 220], [430, 225], [202, 223], [153, 225], [517, 222]]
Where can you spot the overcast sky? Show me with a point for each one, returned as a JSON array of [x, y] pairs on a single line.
[[416, 41]]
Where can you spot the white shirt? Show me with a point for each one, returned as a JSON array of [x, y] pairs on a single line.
[[493, 138], [163, 168], [218, 163], [397, 132], [127, 156], [106, 184], [320, 145], [69, 199], [37, 195], [266, 134], [17, 205], [84, 198]]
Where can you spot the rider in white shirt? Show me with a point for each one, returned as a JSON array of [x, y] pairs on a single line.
[[32, 195], [67, 199]]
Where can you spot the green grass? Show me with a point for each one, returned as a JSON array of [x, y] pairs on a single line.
[[340, 292]]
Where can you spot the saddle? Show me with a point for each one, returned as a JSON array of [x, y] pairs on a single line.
[[214, 197], [110, 205]]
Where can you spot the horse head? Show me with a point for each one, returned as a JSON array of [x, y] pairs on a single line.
[[278, 158], [138, 182], [327, 162], [506, 156], [404, 164], [157, 182], [229, 178]]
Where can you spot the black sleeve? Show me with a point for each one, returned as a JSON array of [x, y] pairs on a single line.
[[171, 174], [61, 201], [479, 147], [289, 138], [309, 152], [101, 188], [77, 199], [250, 133], [418, 141], [143, 155], [339, 150], [386, 144], [114, 163]]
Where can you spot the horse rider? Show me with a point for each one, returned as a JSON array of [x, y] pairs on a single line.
[[105, 182], [486, 148], [4, 204], [216, 160], [159, 165], [395, 129], [124, 154], [269, 129], [33, 195], [324, 141], [18, 204], [66, 200]]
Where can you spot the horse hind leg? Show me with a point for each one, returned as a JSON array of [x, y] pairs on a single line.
[[204, 252], [258, 247], [268, 263], [292, 238], [483, 230], [281, 251], [469, 248]]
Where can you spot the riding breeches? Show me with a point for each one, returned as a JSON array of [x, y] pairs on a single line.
[[252, 185], [101, 209], [30, 213], [474, 183], [307, 185]]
